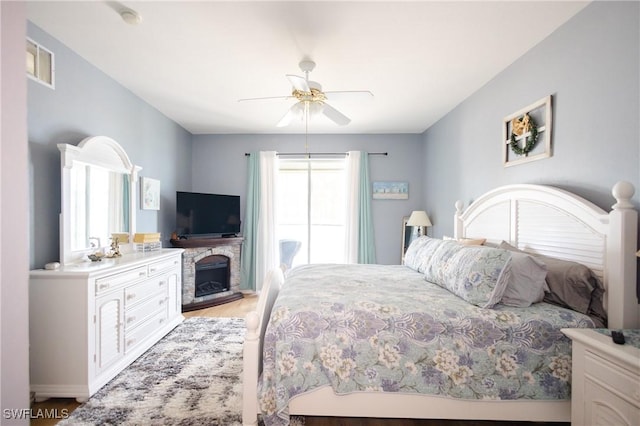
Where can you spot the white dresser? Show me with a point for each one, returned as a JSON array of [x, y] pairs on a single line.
[[605, 380], [89, 321]]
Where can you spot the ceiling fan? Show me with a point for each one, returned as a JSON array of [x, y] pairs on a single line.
[[311, 99]]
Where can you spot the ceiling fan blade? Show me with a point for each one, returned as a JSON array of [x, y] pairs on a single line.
[[266, 98], [299, 83], [334, 115], [295, 112], [348, 94]]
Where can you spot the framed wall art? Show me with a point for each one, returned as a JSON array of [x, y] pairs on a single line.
[[526, 134], [149, 193], [390, 190]]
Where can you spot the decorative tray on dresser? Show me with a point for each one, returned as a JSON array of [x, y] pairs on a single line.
[[605, 378], [90, 320]]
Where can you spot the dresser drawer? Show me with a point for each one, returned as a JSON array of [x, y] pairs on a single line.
[[144, 290], [604, 408], [112, 281], [618, 380], [144, 330], [163, 265], [142, 311]]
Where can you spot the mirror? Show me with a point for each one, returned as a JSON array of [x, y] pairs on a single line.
[[98, 196], [409, 233], [99, 205]]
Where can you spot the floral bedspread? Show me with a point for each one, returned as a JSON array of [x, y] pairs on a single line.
[[385, 329]]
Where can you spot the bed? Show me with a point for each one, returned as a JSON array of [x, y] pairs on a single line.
[[425, 364]]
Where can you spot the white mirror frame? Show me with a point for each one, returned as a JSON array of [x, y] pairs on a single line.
[[100, 151]]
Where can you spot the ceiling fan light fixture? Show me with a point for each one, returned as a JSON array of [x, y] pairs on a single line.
[[311, 100], [298, 111], [315, 108]]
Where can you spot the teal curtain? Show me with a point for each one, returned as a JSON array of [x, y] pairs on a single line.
[[250, 225], [366, 244]]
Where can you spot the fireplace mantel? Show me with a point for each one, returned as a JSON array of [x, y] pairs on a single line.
[[196, 249], [206, 242]]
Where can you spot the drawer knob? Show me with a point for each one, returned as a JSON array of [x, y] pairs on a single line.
[[103, 286], [153, 270], [131, 342], [161, 283], [131, 319], [131, 296]]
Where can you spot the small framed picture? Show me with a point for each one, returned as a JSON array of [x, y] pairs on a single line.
[[149, 193], [390, 190]]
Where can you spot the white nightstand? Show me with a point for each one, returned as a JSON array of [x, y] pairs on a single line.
[[605, 379]]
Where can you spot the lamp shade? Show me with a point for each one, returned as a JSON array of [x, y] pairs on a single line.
[[419, 218]]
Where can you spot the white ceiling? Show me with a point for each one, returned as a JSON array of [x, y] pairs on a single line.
[[194, 60]]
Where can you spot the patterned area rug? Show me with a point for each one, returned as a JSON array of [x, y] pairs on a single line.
[[190, 377]]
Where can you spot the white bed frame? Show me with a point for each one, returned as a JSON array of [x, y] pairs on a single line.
[[534, 218]]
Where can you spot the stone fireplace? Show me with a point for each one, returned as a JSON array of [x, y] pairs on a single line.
[[210, 271]]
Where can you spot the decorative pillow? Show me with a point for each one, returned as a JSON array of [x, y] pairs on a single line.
[[419, 251], [572, 285], [527, 281], [476, 274], [472, 241], [467, 241]]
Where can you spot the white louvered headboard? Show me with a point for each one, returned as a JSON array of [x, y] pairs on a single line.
[[554, 222]]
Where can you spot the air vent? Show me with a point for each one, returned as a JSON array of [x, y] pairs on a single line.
[[40, 64]]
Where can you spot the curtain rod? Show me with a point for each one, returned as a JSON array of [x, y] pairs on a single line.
[[309, 154]]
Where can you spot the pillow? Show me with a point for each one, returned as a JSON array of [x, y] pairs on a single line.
[[527, 281], [476, 274], [472, 241], [419, 251], [467, 241], [572, 285]]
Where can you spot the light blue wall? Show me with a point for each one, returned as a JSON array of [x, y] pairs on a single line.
[[220, 166], [591, 67], [87, 102]]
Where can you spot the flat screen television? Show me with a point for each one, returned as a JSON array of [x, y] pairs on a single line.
[[207, 214]]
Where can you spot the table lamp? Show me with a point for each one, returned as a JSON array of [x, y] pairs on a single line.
[[420, 219]]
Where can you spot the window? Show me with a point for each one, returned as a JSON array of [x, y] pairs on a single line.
[[40, 64], [311, 208]]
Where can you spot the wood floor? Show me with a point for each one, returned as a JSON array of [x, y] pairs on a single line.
[[236, 309], [240, 308]]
